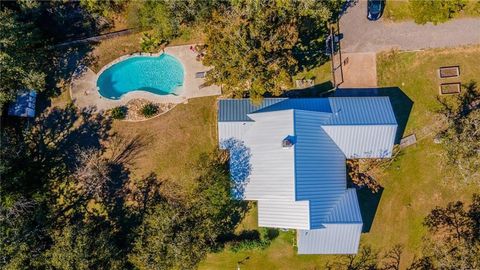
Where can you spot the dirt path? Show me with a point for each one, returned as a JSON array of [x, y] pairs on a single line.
[[362, 35]]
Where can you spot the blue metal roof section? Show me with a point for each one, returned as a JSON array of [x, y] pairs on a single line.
[[346, 110], [347, 209], [306, 104], [319, 166], [361, 111], [233, 110], [339, 234], [24, 105]]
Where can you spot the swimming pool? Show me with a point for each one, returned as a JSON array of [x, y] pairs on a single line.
[[160, 75]]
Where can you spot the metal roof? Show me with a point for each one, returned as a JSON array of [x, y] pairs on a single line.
[[347, 209], [231, 110], [24, 105], [272, 173], [303, 186], [363, 141], [346, 110], [319, 166], [227, 130], [284, 214], [361, 111], [340, 233], [332, 239]]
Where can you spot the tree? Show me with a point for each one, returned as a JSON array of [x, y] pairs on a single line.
[[168, 19], [391, 260], [155, 15], [178, 232], [104, 8], [461, 139], [435, 11], [20, 67], [452, 221], [366, 259], [84, 246], [256, 46], [454, 241]]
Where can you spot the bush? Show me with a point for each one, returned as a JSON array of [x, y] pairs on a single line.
[[149, 110], [256, 239], [119, 112]]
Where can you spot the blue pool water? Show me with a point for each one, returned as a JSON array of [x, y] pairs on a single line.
[[160, 75]]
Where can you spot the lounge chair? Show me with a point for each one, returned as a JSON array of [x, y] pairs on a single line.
[[201, 74]]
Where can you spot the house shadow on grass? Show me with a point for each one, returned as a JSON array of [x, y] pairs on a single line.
[[318, 90], [368, 202], [401, 103]]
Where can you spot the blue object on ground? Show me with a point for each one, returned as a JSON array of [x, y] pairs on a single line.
[[24, 105]]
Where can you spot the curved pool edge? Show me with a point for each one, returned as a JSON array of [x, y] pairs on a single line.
[[177, 92], [85, 82]]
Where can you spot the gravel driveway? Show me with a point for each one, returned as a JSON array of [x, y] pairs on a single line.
[[362, 35]]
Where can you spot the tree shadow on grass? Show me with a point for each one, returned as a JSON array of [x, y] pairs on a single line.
[[368, 202], [402, 105]]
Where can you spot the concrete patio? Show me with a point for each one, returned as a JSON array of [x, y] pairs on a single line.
[[83, 89]]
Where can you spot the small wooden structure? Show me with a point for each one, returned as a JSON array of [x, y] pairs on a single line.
[[304, 83], [407, 141], [450, 88], [449, 72]]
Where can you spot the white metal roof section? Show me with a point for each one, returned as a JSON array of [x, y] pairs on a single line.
[[363, 141], [333, 239], [236, 130], [283, 214], [320, 169], [272, 166]]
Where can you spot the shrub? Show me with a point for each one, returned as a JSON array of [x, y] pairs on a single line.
[[149, 43], [256, 239], [149, 110], [119, 112]]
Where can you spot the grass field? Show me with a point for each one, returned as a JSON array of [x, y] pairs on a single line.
[[175, 140], [414, 183], [399, 10]]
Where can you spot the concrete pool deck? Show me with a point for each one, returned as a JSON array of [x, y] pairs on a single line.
[[83, 87]]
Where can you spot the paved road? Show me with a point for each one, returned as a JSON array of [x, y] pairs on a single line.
[[362, 35]]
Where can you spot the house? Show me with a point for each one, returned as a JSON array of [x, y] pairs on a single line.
[[290, 155]]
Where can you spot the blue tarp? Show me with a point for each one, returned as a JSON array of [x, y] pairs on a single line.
[[24, 105]]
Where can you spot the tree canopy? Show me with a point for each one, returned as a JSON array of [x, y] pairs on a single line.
[[255, 47], [461, 139], [69, 201], [20, 67]]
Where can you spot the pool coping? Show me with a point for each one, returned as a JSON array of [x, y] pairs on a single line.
[[86, 82]]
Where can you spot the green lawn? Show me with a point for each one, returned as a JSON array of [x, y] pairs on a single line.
[[399, 10], [413, 185]]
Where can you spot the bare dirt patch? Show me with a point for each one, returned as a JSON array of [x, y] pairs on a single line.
[[359, 70]]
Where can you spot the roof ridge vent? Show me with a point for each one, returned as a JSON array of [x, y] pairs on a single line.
[[288, 142]]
